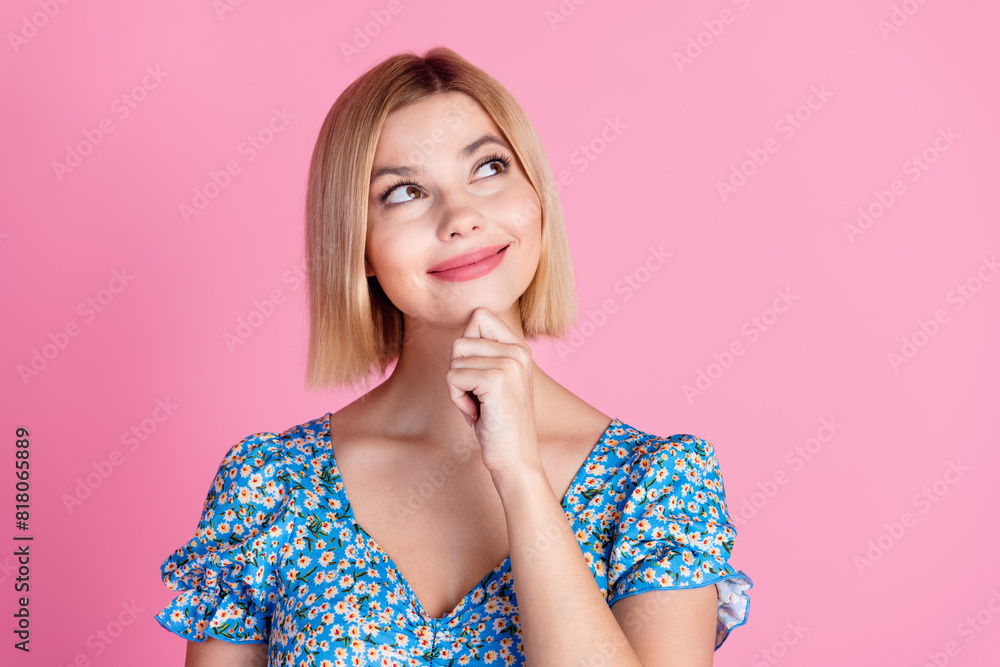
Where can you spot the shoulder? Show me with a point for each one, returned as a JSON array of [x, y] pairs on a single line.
[[250, 489], [672, 528], [296, 445], [645, 464], [640, 452], [260, 465]]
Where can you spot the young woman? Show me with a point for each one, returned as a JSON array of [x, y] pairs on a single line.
[[435, 241]]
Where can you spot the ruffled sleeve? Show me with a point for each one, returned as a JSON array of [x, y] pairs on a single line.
[[228, 571], [674, 530]]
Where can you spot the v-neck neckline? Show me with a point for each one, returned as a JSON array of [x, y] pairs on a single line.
[[349, 513]]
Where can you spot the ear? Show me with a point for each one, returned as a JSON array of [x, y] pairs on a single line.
[[369, 271]]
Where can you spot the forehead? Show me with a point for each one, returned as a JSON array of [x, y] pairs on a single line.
[[410, 133]]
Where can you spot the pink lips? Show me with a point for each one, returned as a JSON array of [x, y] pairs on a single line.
[[470, 265]]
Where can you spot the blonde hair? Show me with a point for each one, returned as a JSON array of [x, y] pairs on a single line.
[[353, 327]]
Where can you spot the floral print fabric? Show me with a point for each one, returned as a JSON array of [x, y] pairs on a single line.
[[278, 558]]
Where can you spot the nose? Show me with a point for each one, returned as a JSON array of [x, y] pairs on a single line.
[[460, 214]]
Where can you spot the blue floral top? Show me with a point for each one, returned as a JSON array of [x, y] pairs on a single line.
[[278, 558]]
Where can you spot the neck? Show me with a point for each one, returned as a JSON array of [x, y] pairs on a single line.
[[416, 394]]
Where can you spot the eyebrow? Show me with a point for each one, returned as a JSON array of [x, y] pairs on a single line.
[[466, 153]]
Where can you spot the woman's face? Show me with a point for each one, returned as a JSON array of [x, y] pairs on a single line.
[[446, 183]]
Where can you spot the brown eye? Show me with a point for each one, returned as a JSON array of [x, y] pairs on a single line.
[[408, 189], [495, 167]]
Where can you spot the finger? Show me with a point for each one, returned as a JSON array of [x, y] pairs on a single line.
[[484, 324], [481, 347], [460, 385], [485, 363]]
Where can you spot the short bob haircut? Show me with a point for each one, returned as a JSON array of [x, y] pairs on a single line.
[[354, 328]]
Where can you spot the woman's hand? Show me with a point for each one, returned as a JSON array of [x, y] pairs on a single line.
[[490, 381]]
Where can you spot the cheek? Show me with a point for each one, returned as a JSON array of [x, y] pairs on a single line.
[[394, 258], [523, 209], [524, 217], [379, 254]]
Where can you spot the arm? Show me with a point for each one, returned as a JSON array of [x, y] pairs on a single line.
[[565, 619], [669, 628], [217, 653]]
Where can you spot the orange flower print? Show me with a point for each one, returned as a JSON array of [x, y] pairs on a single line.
[[299, 574]]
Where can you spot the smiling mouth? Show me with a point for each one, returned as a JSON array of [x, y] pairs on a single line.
[[472, 263]]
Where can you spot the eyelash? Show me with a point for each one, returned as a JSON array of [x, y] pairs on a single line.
[[496, 157]]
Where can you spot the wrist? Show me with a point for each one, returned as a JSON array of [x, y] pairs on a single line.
[[524, 482]]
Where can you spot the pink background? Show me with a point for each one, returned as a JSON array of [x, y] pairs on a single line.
[[803, 524]]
